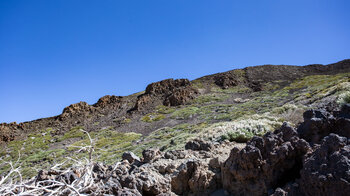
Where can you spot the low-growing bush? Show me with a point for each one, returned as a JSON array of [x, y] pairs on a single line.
[[161, 109], [242, 130], [241, 136], [344, 98], [152, 117], [210, 98], [185, 113]]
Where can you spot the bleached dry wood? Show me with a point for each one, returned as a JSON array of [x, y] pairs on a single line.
[[52, 187]]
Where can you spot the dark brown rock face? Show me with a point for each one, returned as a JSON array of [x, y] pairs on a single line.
[[168, 92], [109, 101], [326, 170], [226, 80], [265, 163], [77, 109], [7, 132], [180, 97], [166, 86]]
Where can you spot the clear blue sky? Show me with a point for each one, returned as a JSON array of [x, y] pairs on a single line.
[[55, 53]]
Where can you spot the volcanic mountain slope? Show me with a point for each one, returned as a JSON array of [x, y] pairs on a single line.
[[115, 110], [233, 106]]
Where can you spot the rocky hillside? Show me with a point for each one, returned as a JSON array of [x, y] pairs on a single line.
[[112, 110], [230, 133]]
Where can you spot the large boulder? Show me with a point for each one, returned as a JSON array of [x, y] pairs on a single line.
[[130, 157], [265, 163], [317, 124], [320, 123], [198, 144], [194, 178], [326, 171], [147, 180], [150, 155]]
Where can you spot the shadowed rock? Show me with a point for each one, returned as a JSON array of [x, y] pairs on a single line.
[[326, 170], [265, 163], [320, 123]]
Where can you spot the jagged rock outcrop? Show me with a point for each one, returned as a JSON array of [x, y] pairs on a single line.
[[194, 177], [8, 132], [326, 171], [109, 101], [78, 109], [265, 163], [150, 155], [320, 123], [168, 92], [226, 80]]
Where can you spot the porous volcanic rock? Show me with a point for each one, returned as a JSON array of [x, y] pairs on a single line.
[[320, 123], [168, 92], [150, 155], [166, 86], [265, 163], [8, 132], [180, 96], [78, 109], [109, 101], [193, 177], [131, 157], [226, 80], [198, 144], [326, 171]]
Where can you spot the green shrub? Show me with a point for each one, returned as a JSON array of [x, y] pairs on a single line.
[[239, 136], [185, 113], [164, 109], [152, 117], [73, 133], [210, 98], [344, 98]]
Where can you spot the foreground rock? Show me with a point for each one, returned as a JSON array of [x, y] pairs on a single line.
[[265, 163], [320, 123], [178, 172], [326, 171]]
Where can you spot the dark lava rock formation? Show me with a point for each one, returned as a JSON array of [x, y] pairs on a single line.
[[320, 123], [326, 171], [168, 92], [265, 163]]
